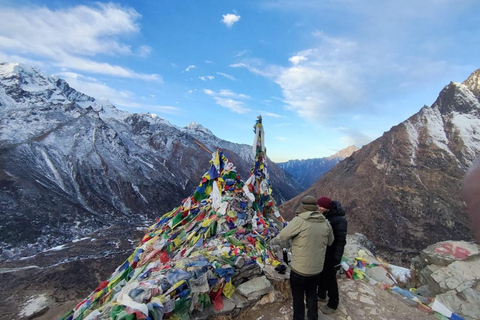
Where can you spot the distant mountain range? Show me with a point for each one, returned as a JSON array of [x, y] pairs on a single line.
[[308, 171], [403, 189], [71, 165]]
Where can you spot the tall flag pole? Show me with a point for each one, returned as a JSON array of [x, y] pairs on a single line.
[[259, 177]]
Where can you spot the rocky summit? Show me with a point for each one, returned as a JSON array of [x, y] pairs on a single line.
[[403, 190]]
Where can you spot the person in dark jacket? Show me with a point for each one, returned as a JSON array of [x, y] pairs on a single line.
[[333, 257]]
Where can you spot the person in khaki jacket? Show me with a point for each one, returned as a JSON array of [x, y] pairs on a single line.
[[310, 233]]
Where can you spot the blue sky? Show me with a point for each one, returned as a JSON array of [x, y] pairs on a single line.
[[323, 74]]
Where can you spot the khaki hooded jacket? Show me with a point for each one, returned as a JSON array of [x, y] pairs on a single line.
[[311, 234]]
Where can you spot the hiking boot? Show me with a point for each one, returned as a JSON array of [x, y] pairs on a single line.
[[327, 310]]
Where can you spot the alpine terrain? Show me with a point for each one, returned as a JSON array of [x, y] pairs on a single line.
[[71, 165], [216, 254], [403, 190], [308, 171]]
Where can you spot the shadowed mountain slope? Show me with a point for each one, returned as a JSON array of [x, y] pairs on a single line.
[[403, 190]]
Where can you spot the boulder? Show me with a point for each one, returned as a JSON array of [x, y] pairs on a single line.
[[451, 272], [445, 252], [228, 306], [255, 288], [465, 303], [240, 301], [274, 275], [355, 244]]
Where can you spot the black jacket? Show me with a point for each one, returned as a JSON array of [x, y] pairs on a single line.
[[338, 222]]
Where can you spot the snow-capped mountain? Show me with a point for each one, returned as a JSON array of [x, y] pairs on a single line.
[[71, 164], [307, 171], [403, 190]]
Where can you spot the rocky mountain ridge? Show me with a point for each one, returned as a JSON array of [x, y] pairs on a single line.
[[71, 164], [307, 171], [403, 189]]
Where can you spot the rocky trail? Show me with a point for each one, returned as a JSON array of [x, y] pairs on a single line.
[[49, 291]]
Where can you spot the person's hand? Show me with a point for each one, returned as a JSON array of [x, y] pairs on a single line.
[[336, 265]]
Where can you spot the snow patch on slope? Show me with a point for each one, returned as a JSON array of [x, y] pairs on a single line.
[[436, 128], [412, 133]]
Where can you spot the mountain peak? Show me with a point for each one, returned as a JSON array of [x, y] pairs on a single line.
[[344, 153], [16, 68], [473, 83], [27, 77], [196, 127]]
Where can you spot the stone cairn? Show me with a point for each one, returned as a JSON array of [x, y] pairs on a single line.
[[210, 255]]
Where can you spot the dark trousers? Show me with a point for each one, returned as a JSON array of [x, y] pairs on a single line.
[[304, 286], [328, 284]]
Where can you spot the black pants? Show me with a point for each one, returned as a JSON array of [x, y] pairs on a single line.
[[304, 286], [328, 284]]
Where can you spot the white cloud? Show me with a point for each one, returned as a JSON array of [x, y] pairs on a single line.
[[225, 98], [297, 59], [328, 80], [316, 92], [144, 51], [241, 53], [190, 67], [208, 92], [230, 77], [72, 37], [229, 19], [281, 138], [165, 109], [122, 99], [401, 56], [270, 114], [229, 93], [94, 88], [258, 67], [86, 65], [206, 78], [234, 105]]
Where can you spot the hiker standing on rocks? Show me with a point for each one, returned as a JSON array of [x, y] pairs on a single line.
[[310, 234], [333, 257]]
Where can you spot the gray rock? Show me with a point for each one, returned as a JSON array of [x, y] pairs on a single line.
[[239, 263], [465, 303], [424, 291], [255, 288], [445, 252], [459, 275], [228, 306], [274, 275], [354, 244], [240, 301]]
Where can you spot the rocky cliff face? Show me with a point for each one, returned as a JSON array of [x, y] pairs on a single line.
[[403, 190], [307, 171], [71, 164]]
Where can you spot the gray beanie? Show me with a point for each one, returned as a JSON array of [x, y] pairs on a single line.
[[309, 203]]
